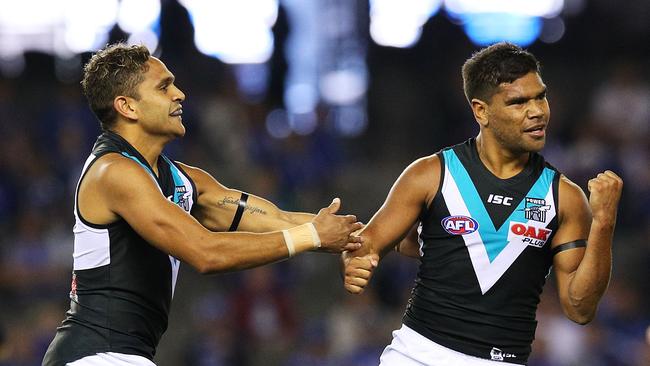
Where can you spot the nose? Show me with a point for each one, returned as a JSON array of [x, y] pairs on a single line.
[[536, 109], [179, 96]]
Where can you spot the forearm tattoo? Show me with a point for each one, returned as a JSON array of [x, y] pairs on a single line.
[[235, 201], [254, 210]]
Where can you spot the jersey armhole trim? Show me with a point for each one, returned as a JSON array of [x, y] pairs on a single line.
[[76, 198], [426, 210]]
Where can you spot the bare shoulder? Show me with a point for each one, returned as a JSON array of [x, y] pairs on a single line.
[[571, 196], [425, 168], [574, 213], [422, 175], [114, 177], [110, 182], [115, 170], [566, 183]]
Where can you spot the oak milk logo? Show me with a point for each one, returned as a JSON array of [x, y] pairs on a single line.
[[459, 225], [529, 234], [535, 209]]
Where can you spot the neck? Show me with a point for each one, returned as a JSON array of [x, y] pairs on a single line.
[[500, 161], [150, 147]]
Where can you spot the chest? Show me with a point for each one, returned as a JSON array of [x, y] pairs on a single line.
[[491, 224]]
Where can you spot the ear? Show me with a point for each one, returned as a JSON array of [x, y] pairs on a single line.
[[481, 111], [126, 107]]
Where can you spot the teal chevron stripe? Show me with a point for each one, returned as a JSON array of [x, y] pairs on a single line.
[[494, 240], [178, 182]]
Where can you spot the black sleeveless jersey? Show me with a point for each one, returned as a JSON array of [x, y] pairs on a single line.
[[485, 245], [122, 286]]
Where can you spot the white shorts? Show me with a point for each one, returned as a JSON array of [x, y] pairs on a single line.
[[112, 359], [410, 348]]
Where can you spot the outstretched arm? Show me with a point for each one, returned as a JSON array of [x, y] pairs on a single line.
[[583, 273], [217, 205], [410, 194], [116, 187]]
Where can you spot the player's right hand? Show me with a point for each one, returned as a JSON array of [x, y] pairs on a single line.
[[358, 271], [335, 231]]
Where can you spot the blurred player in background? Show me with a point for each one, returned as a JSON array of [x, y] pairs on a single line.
[[138, 214], [493, 218]]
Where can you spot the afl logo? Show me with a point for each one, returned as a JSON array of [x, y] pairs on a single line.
[[459, 225]]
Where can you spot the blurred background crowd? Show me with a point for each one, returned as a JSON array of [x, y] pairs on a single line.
[[337, 106]]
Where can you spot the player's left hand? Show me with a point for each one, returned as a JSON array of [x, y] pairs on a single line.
[[605, 192]]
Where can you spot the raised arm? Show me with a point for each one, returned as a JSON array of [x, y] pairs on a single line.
[[217, 205], [583, 273], [116, 187], [410, 195]]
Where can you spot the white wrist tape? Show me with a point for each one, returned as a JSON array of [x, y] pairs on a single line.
[[314, 235], [301, 238], [288, 240]]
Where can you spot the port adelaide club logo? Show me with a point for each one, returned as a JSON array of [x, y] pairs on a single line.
[[535, 209]]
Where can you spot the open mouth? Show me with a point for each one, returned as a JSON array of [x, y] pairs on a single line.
[[537, 131], [177, 113]]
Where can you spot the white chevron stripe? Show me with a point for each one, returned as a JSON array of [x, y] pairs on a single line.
[[175, 263], [488, 273]]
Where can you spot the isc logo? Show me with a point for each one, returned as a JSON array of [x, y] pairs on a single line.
[[459, 225], [499, 200]]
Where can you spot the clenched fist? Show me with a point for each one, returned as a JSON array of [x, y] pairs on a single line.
[[604, 194], [358, 271]]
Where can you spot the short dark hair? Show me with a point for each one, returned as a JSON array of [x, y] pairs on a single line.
[[115, 70], [501, 62]]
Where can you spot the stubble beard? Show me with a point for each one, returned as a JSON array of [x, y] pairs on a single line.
[[517, 144]]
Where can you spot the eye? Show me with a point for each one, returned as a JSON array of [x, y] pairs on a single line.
[[517, 102]]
